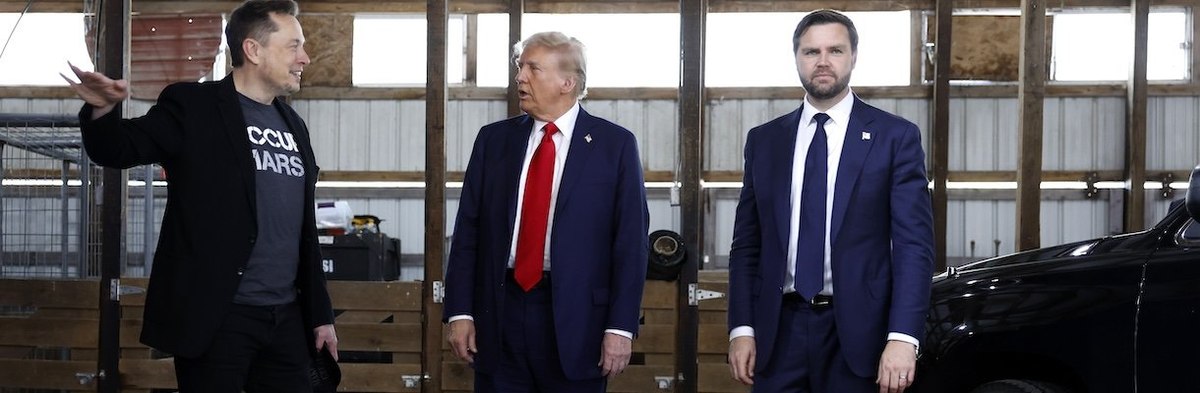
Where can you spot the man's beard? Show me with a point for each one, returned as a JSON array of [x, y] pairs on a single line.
[[822, 93]]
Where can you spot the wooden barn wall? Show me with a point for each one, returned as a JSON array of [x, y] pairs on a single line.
[[1082, 133]]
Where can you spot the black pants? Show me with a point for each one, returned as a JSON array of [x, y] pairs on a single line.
[[256, 349]]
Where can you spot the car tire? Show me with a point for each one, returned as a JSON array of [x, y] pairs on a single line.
[[1018, 386]]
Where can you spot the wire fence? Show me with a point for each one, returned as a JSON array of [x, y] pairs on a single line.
[[50, 207]]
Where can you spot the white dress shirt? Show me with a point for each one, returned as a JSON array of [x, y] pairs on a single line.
[[562, 145], [835, 131]]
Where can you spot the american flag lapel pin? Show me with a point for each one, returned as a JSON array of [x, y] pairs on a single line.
[[866, 135], [588, 138]]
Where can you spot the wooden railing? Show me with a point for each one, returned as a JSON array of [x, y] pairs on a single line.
[[49, 335]]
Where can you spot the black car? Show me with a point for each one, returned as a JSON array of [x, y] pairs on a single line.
[[1116, 314]]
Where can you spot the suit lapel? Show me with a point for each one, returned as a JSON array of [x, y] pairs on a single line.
[[234, 125], [854, 152], [516, 144], [784, 151], [577, 157]]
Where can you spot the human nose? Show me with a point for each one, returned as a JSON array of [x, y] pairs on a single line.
[[303, 59]]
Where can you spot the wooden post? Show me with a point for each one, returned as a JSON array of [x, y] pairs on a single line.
[[435, 191], [940, 143], [1135, 122], [692, 15], [516, 8], [112, 46], [1031, 94]]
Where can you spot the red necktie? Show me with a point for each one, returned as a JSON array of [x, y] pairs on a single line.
[[535, 212]]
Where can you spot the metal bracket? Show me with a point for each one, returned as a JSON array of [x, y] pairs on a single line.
[[695, 295], [439, 291], [414, 381], [85, 378], [663, 383], [1089, 190], [114, 289], [1166, 192]]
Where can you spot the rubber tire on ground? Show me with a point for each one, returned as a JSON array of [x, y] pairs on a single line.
[[1018, 386]]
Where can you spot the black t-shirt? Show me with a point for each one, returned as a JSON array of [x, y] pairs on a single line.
[[270, 275]]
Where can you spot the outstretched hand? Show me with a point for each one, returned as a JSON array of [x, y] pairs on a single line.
[[98, 90]]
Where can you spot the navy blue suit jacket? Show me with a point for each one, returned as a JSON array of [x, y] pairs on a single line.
[[598, 241], [881, 235]]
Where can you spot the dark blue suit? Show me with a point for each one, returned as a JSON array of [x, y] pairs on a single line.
[[598, 240], [881, 235]]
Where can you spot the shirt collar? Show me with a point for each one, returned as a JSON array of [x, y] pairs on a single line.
[[565, 123], [839, 113]]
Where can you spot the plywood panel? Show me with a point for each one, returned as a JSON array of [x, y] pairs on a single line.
[[329, 47]]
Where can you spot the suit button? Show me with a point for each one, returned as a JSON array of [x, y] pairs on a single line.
[[253, 239], [241, 271]]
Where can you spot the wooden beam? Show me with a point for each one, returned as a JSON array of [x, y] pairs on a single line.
[[940, 143], [693, 16], [112, 43], [516, 10], [1135, 121], [437, 19], [471, 60], [1031, 97]]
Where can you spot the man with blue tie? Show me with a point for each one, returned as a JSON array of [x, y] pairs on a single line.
[[548, 261], [832, 252]]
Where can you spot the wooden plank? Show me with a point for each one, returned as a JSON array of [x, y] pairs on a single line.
[[148, 373], [1135, 133], [1031, 96], [45, 332], [655, 339], [370, 295], [374, 377], [355, 316], [659, 295], [456, 375], [437, 20], [516, 12], [715, 378], [639, 378], [713, 339], [940, 143], [379, 337], [72, 294], [693, 15], [45, 374]]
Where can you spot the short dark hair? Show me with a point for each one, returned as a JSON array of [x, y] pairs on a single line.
[[820, 17], [253, 20]]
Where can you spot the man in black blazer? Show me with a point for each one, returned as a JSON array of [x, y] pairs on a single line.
[[236, 293]]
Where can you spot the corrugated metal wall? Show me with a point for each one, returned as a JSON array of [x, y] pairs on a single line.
[[1085, 133]]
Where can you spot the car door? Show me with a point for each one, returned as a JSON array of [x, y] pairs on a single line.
[[1168, 323]]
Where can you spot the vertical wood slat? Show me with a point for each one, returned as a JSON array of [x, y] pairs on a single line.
[[1031, 96], [114, 62], [435, 189], [516, 10], [941, 129], [1135, 121], [692, 15]]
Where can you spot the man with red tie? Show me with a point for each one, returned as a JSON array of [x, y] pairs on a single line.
[[548, 260]]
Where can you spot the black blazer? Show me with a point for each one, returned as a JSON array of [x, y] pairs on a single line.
[[197, 132]]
